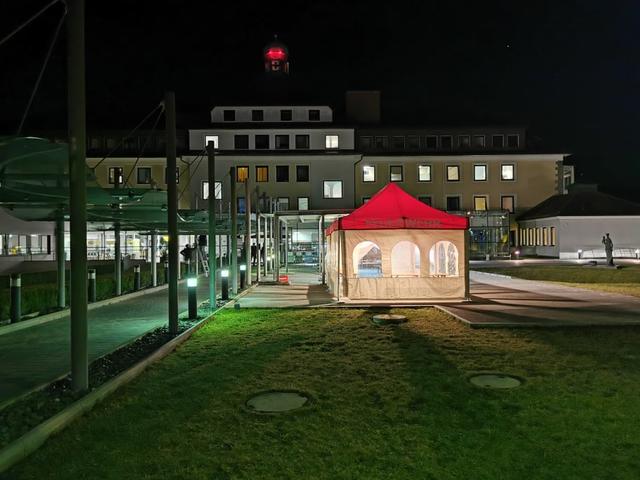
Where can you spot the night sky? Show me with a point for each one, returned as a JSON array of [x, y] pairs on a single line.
[[569, 70]]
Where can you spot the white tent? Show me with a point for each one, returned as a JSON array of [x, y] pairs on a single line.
[[394, 247]]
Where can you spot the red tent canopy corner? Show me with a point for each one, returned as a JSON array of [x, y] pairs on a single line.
[[393, 208]]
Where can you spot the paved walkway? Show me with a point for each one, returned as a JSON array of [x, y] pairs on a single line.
[[40, 354], [510, 302]]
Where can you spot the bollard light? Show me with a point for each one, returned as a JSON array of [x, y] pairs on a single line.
[[92, 285], [192, 284], [224, 278], [136, 277], [15, 285], [517, 253], [243, 275]]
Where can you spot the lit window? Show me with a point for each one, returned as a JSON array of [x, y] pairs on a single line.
[[432, 142], [367, 260], [229, 115], [365, 199], [405, 259], [513, 141], [480, 202], [446, 142], [211, 138], [443, 260], [282, 204], [302, 173], [507, 172], [303, 203], [497, 141], [464, 141], [332, 188], [331, 141], [282, 142], [262, 173], [282, 173], [144, 175], [479, 173], [242, 174], [453, 173], [478, 141], [545, 236], [424, 173], [116, 175], [302, 141], [507, 202], [553, 236], [369, 173], [262, 142], [205, 190], [396, 173]]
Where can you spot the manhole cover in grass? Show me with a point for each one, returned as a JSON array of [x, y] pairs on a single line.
[[495, 380], [277, 401], [388, 319]]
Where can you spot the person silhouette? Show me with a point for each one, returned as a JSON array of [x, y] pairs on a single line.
[[608, 249]]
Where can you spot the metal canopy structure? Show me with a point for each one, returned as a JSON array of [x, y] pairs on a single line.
[[34, 185]]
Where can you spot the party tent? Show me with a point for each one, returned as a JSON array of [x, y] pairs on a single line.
[[395, 247]]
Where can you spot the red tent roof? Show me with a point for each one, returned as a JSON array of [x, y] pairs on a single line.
[[393, 208]]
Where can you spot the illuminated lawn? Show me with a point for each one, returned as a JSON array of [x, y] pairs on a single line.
[[391, 402], [625, 280]]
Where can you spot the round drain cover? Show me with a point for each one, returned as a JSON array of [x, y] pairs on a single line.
[[388, 319], [495, 380], [277, 401]]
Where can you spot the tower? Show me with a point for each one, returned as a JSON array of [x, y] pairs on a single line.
[[276, 58]]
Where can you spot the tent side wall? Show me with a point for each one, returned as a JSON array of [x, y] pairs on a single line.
[[436, 276]]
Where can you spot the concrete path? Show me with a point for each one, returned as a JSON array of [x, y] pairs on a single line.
[[501, 301], [40, 354], [305, 290]]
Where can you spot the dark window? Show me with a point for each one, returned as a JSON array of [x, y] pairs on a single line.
[[513, 141], [314, 115], [425, 199], [381, 143], [507, 202], [302, 173], [282, 142], [397, 143], [257, 115], [302, 141], [282, 173], [144, 175], [497, 141], [446, 142], [412, 142], [241, 142], [115, 175], [464, 141], [453, 203], [366, 143], [286, 115], [432, 142], [396, 173], [262, 142], [241, 205], [229, 115]]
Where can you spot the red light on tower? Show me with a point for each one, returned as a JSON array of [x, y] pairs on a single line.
[[276, 58]]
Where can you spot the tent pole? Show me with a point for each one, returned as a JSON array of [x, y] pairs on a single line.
[[60, 260], [154, 257], [233, 265]]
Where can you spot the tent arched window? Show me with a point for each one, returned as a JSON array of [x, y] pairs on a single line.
[[443, 260], [367, 260], [405, 259]]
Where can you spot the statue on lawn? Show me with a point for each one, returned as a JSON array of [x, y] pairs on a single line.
[[608, 249]]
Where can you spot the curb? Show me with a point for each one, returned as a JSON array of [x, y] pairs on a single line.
[[32, 440], [497, 275]]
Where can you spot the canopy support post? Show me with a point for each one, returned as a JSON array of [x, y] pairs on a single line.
[[60, 261], [172, 209], [234, 234]]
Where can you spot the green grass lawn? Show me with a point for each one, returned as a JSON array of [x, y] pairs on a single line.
[[625, 280], [390, 403]]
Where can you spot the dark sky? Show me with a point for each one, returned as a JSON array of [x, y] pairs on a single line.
[[570, 70]]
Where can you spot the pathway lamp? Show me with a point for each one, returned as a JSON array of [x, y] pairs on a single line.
[[517, 254], [243, 275], [136, 277], [92, 285], [192, 288], [224, 278], [15, 283]]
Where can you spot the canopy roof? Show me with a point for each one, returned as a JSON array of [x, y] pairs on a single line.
[[393, 208]]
